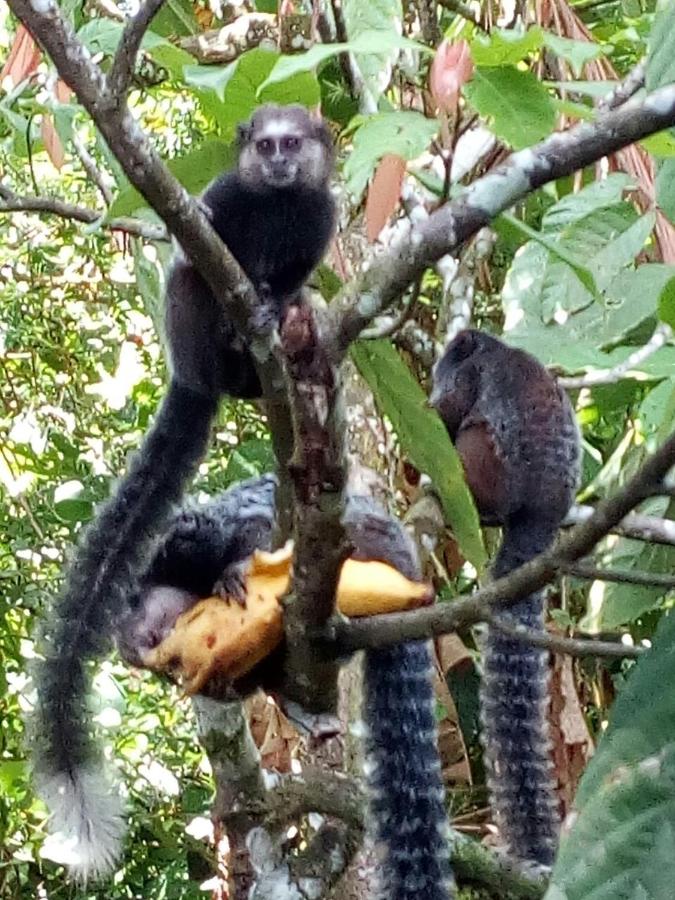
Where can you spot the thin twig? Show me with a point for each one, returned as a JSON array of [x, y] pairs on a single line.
[[619, 576], [461, 9], [10, 202], [125, 58], [569, 646], [662, 334], [89, 165], [635, 525], [626, 88]]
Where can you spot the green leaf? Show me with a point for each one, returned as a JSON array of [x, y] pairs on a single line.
[[101, 36], [12, 771], [597, 195], [576, 53], [377, 16], [665, 187], [194, 171], [593, 89], [370, 42], [661, 55], [583, 273], [209, 78], [667, 303], [622, 842], [505, 48], [405, 133], [517, 105], [175, 17], [661, 144], [423, 438]]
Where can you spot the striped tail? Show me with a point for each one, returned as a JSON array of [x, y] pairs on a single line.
[[112, 553]]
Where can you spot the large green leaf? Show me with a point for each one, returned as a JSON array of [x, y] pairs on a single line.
[[661, 56], [667, 303], [597, 195], [518, 106], [423, 438], [622, 843], [661, 71], [369, 42], [576, 53], [405, 133], [502, 47], [384, 16]]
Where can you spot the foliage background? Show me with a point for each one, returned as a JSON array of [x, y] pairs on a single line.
[[578, 275]]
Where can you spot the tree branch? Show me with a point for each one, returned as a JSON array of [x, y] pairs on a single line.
[[570, 646], [125, 58], [11, 202], [139, 160], [393, 628], [662, 334], [388, 275], [625, 89], [635, 525], [89, 165], [619, 576]]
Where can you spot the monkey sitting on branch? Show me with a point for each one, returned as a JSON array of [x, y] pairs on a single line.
[[275, 213], [516, 434], [206, 550]]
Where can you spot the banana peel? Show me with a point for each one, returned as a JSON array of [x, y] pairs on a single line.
[[222, 637]]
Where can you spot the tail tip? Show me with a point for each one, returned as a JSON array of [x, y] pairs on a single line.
[[87, 824]]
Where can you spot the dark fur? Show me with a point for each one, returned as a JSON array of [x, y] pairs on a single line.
[[408, 817], [516, 435], [278, 235]]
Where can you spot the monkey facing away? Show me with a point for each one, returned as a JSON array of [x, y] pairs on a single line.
[[276, 214], [204, 543], [516, 435]]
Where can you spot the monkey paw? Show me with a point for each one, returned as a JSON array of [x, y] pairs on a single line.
[[232, 583]]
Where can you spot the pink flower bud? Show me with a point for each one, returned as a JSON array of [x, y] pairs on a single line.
[[452, 67]]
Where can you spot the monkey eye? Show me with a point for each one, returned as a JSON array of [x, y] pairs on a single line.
[[264, 146], [290, 143]]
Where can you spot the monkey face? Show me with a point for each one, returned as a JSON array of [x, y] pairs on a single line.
[[283, 147]]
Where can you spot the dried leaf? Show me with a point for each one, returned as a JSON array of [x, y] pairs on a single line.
[[24, 57], [52, 141], [383, 194], [61, 91]]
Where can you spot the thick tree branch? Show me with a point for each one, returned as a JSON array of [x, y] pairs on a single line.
[[578, 542], [387, 276], [318, 470], [10, 202], [344, 797], [125, 58]]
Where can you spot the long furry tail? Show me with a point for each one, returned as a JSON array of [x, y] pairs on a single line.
[[404, 773], [408, 818], [515, 699], [113, 550]]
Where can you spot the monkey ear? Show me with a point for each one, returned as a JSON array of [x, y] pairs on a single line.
[[322, 132], [244, 131]]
